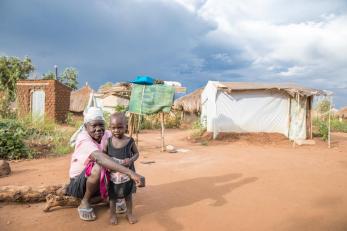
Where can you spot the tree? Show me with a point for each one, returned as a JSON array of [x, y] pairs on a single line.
[[323, 106], [48, 75], [13, 69], [69, 77]]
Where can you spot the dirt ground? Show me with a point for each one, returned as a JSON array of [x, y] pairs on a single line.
[[236, 185]]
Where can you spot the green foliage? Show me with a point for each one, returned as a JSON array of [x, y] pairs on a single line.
[[13, 69], [171, 120], [121, 108], [338, 126], [321, 127], [46, 137], [5, 106], [12, 135], [49, 75], [26, 138], [107, 116], [197, 129], [69, 77], [323, 106]]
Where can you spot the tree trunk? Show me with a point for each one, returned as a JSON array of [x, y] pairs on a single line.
[[54, 195]]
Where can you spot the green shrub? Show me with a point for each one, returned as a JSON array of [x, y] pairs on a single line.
[[33, 138], [12, 136], [197, 129], [321, 127]]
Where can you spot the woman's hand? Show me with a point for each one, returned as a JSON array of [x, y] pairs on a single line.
[[139, 180], [127, 162]]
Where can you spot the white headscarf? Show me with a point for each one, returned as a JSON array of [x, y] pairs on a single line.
[[90, 114], [93, 113]]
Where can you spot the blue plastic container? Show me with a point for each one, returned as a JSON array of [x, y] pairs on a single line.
[[144, 80]]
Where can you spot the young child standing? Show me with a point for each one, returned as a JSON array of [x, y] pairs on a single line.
[[124, 151]]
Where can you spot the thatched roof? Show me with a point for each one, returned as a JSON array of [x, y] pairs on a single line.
[[342, 112], [189, 103], [291, 89], [79, 99], [122, 90]]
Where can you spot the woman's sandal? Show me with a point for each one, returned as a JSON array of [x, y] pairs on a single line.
[[86, 214]]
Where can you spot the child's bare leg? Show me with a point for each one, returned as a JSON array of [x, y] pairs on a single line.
[[113, 216], [129, 202]]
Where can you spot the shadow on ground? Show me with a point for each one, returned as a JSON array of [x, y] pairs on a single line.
[[159, 199]]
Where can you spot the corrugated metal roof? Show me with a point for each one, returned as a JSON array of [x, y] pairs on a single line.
[[291, 89]]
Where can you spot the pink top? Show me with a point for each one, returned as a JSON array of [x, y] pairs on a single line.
[[85, 145]]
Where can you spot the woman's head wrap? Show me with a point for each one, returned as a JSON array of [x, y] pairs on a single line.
[[93, 113]]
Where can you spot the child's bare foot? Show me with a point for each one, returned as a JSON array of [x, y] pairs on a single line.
[[131, 218], [113, 219]]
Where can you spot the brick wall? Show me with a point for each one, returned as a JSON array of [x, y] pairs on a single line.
[[62, 101], [57, 98]]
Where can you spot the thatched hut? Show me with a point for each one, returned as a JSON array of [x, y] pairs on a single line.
[[342, 113], [79, 99], [190, 106], [113, 96], [122, 90]]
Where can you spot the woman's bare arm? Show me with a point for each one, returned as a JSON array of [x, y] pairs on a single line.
[[105, 161]]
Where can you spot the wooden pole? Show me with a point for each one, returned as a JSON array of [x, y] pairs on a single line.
[[329, 127], [138, 129], [162, 131], [131, 124]]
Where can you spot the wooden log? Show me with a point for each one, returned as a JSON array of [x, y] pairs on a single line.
[[53, 201], [53, 195], [14, 193]]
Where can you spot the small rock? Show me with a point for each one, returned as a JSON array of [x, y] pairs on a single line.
[[8, 222], [4, 168], [170, 149]]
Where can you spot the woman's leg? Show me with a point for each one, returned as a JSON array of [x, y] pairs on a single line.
[[92, 186]]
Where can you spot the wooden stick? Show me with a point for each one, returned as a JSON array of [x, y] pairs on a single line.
[[138, 129], [162, 131], [131, 124], [329, 127]]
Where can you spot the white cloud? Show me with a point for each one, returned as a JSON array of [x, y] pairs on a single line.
[[303, 41]]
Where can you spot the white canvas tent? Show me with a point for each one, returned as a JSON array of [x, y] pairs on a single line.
[[252, 107]]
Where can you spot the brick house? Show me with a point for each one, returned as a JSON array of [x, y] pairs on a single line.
[[43, 98]]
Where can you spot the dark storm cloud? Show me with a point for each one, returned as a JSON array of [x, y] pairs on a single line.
[[105, 40]]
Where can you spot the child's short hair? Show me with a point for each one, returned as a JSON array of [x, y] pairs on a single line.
[[120, 116]]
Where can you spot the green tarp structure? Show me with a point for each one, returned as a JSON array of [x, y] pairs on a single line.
[[150, 99]]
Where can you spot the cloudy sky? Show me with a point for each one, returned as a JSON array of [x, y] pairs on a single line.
[[191, 41]]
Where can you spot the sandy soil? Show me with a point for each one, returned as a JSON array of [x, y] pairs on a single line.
[[238, 185]]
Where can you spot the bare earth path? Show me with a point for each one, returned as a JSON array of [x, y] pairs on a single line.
[[223, 186]]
